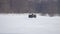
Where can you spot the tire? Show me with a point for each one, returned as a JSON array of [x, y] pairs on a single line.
[[34, 16]]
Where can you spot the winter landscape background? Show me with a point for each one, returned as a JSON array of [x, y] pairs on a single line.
[[21, 24], [50, 7]]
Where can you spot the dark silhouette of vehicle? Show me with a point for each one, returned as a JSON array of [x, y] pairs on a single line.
[[32, 16]]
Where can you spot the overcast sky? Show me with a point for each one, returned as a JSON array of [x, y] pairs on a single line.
[[20, 23]]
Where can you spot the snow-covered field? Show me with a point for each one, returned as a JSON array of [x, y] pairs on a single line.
[[21, 24]]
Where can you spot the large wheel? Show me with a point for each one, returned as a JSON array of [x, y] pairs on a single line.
[[34, 16]]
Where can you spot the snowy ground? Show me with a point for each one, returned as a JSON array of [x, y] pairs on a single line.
[[21, 24]]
